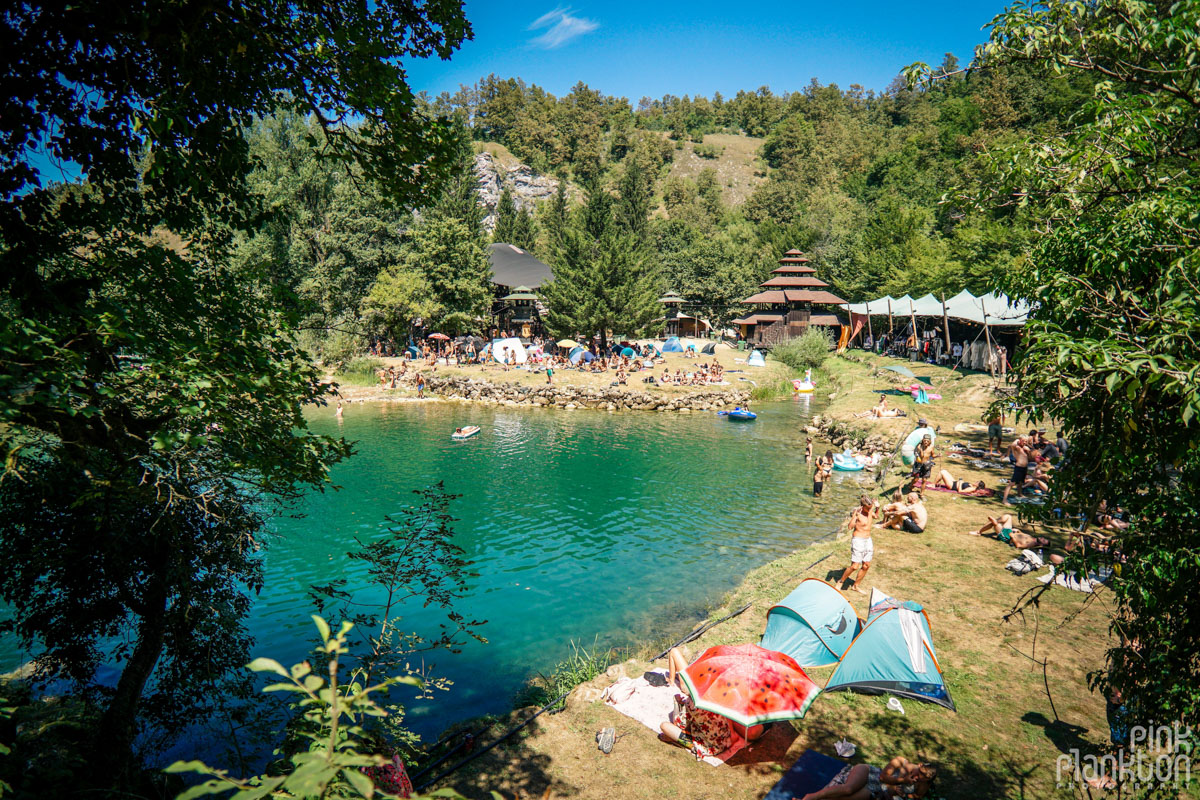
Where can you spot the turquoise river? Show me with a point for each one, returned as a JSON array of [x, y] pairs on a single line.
[[583, 526]]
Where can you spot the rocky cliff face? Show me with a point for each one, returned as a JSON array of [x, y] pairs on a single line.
[[528, 188]]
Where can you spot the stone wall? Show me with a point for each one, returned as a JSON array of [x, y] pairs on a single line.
[[561, 396]]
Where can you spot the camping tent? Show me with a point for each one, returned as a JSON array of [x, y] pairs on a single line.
[[628, 352], [509, 349], [894, 655], [814, 624], [709, 349], [756, 359], [672, 345]]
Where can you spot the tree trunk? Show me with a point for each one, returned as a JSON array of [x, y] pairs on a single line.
[[114, 741]]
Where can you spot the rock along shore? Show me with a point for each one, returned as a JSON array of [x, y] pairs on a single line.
[[609, 399], [566, 396]]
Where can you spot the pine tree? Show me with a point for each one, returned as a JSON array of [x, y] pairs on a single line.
[[514, 225], [506, 219], [603, 279]]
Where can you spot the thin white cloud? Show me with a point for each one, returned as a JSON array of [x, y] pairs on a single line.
[[562, 26]]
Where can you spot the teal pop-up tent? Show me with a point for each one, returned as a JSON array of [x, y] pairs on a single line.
[[814, 624], [672, 345], [756, 359], [894, 655]]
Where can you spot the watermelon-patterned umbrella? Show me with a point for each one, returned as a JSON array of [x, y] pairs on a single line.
[[749, 684]]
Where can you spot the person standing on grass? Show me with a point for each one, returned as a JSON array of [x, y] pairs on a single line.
[[995, 431], [862, 546], [823, 472], [1019, 456]]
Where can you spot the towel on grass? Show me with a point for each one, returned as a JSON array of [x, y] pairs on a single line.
[[812, 772], [976, 493], [1074, 582], [651, 705]]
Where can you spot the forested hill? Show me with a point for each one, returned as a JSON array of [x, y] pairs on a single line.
[[694, 195], [852, 177]]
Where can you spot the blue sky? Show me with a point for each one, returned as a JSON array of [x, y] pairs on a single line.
[[634, 49]]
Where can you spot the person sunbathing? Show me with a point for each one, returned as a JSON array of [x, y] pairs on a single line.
[[899, 778], [702, 732], [882, 409], [1002, 527], [946, 480], [1110, 521]]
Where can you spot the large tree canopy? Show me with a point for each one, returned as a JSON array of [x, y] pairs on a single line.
[[150, 391], [1111, 352]]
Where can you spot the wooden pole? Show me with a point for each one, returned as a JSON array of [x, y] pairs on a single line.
[[890, 331], [987, 332], [870, 333], [946, 322], [913, 319]]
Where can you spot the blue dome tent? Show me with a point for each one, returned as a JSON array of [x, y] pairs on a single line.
[[756, 359], [672, 345], [814, 624], [893, 655], [628, 351]]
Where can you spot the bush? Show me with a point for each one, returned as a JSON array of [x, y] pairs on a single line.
[[580, 667], [806, 352], [709, 150], [361, 371]]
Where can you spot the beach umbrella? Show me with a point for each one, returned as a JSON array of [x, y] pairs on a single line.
[[749, 684], [568, 343], [905, 371], [438, 336]]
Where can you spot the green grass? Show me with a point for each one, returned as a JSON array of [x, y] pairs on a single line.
[[360, 371], [579, 667]]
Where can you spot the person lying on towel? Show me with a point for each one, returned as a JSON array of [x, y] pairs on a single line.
[[945, 479], [1002, 527], [900, 778]]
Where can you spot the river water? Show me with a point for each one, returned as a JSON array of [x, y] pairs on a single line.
[[583, 526]]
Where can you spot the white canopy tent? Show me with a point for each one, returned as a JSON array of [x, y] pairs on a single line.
[[989, 309]]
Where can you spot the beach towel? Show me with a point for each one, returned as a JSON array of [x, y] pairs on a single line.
[[812, 772], [976, 493], [652, 705], [1074, 582]]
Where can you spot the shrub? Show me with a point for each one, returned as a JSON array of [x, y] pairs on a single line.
[[580, 667], [361, 371], [709, 150], [806, 352]]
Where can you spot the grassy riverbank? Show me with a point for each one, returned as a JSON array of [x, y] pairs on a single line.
[[1008, 731]]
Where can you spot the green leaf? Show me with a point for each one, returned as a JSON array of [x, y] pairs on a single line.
[[322, 626], [360, 782], [267, 665]]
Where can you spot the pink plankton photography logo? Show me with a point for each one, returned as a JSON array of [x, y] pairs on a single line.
[[1157, 754]]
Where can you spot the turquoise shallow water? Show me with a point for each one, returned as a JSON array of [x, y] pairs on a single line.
[[583, 526]]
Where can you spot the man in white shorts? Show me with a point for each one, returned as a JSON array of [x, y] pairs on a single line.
[[862, 546]]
